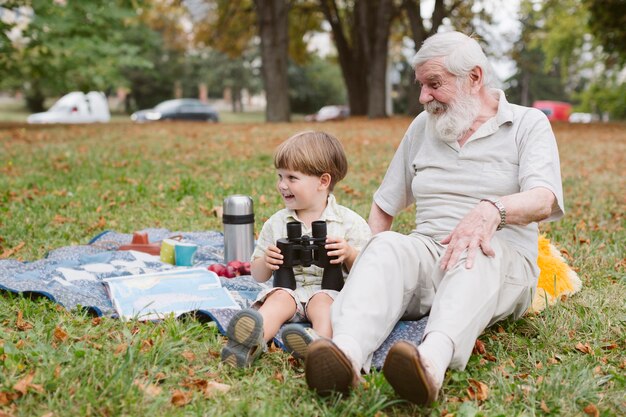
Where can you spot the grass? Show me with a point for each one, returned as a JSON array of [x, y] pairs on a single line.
[[62, 185]]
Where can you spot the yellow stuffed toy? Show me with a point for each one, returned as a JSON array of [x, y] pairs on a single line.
[[556, 278]]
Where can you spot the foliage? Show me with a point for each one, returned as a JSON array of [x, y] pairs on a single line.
[[606, 22], [73, 45], [315, 84], [61, 186]]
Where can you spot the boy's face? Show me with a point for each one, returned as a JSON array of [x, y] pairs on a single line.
[[301, 191]]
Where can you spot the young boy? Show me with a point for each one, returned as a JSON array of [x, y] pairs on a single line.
[[309, 165]]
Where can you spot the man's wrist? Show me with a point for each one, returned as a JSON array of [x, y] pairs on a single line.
[[501, 210]]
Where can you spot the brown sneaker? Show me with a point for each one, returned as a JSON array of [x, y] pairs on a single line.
[[406, 373], [327, 369]]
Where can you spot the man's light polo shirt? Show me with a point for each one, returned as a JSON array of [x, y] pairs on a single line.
[[514, 151]]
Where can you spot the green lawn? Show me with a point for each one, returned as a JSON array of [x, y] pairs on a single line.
[[62, 185]]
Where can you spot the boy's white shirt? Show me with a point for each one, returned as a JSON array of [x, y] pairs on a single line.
[[340, 222]]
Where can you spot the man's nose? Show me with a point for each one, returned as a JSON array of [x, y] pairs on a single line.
[[425, 95]]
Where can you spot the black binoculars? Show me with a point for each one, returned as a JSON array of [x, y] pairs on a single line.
[[306, 251]]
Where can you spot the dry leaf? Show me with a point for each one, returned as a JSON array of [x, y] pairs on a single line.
[[59, 334], [146, 345], [148, 389], [479, 347], [9, 252], [477, 390], [120, 349], [278, 376], [216, 387], [583, 348], [218, 211], [189, 356], [23, 384], [180, 398], [159, 377], [96, 321], [544, 407], [21, 324], [591, 410], [7, 398]]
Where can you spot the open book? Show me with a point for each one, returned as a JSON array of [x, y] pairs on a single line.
[[154, 296]]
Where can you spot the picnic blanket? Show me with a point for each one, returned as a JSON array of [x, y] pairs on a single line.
[[72, 276]]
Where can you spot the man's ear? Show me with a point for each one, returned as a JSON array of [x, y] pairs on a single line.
[[476, 78], [325, 180]]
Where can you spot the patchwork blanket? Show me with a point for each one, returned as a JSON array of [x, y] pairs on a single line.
[[72, 276]]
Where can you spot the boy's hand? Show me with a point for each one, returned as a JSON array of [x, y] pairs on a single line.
[[337, 246], [273, 258]]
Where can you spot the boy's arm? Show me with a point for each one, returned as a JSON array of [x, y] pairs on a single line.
[[259, 270]]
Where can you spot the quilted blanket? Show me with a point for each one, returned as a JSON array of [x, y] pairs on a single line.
[[72, 276]]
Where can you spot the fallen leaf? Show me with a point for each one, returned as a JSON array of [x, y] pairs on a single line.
[[189, 356], [477, 390], [218, 211], [160, 377], [180, 398], [9, 252], [583, 348], [120, 349], [544, 407], [591, 410], [278, 376], [59, 334], [23, 384], [479, 347], [7, 398], [151, 390], [96, 321], [146, 345], [21, 324], [216, 387]]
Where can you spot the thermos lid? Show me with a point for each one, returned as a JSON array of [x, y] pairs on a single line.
[[238, 204]]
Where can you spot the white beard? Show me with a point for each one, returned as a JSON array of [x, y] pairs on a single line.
[[449, 122]]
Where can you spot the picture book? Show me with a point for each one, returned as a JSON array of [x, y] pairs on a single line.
[[156, 295]]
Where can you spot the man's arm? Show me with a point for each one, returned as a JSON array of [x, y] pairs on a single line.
[[379, 221], [477, 228]]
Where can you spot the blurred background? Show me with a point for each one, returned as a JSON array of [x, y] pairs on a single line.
[[281, 60]]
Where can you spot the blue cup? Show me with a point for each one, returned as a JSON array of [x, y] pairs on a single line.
[[185, 253]]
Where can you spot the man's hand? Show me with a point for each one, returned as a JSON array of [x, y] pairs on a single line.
[[273, 258], [474, 231]]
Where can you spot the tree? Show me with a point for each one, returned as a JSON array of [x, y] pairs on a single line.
[[74, 45], [606, 22], [315, 84], [274, 33]]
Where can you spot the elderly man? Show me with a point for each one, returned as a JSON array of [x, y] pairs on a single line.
[[482, 172]]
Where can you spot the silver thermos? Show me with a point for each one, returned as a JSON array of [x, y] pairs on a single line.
[[238, 221]]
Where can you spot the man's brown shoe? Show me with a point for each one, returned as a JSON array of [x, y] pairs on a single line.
[[406, 373], [327, 369]]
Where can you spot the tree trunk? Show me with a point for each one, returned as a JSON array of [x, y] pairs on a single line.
[[34, 98], [273, 31], [376, 18], [351, 57]]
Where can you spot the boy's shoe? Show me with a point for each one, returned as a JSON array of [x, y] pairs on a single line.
[[297, 339], [245, 339]]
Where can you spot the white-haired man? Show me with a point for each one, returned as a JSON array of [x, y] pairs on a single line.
[[482, 173]]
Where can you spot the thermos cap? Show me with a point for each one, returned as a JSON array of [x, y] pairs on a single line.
[[237, 205]]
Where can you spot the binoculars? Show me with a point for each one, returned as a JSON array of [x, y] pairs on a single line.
[[306, 251]]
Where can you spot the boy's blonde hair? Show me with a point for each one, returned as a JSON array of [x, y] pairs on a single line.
[[313, 153]]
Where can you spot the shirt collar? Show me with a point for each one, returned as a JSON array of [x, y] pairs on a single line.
[[330, 213]]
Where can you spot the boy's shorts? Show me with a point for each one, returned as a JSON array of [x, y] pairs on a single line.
[[301, 300]]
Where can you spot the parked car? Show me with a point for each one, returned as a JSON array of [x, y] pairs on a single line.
[[555, 110], [581, 118], [178, 109], [76, 107], [327, 113]]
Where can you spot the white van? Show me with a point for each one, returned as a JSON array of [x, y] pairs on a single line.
[[76, 107]]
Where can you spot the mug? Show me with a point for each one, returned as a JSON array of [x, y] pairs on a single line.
[[184, 253], [167, 251]]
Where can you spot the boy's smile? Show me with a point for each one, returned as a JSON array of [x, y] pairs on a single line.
[[301, 191]]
